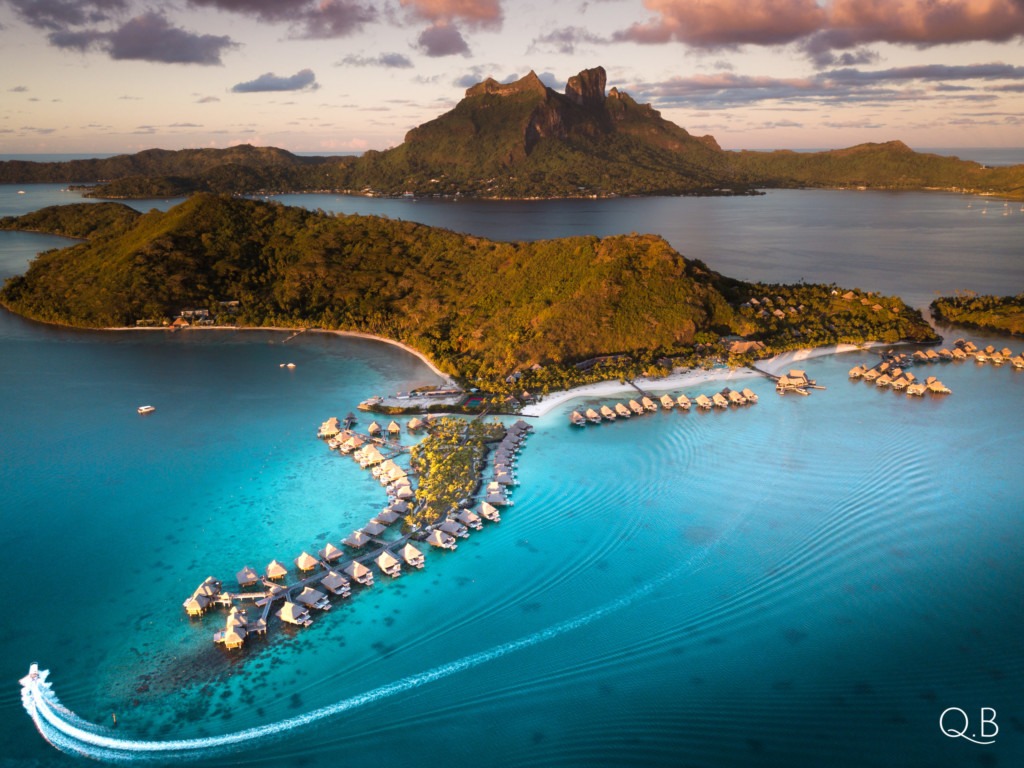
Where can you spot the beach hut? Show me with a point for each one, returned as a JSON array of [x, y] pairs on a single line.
[[389, 564], [489, 512], [719, 400], [592, 416], [442, 540], [313, 598], [703, 401], [394, 428], [635, 407], [336, 584], [577, 419], [648, 404], [306, 562], [622, 410], [412, 556], [607, 413], [330, 553], [374, 528], [276, 570], [683, 402], [293, 613], [667, 402], [247, 577], [749, 394], [373, 429], [469, 519], [359, 573], [356, 539]]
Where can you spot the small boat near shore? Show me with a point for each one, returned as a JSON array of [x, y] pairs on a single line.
[[144, 409]]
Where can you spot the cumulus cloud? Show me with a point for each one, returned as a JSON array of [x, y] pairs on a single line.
[[266, 10], [334, 18], [302, 80], [833, 25], [18, 89], [151, 37], [564, 40], [389, 60], [442, 39], [59, 14], [472, 12]]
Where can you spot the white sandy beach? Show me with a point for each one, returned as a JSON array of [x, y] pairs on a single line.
[[775, 366]]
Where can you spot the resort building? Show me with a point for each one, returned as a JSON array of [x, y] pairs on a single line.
[[412, 556], [276, 570], [294, 613]]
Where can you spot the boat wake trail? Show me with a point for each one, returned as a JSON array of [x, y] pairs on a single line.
[[73, 735]]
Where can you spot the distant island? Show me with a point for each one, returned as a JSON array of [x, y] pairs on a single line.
[[541, 315], [1003, 314], [525, 140]]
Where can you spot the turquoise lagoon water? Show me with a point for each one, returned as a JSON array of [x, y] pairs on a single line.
[[807, 581]]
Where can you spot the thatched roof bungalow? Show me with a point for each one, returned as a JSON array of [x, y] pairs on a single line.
[[683, 402], [374, 429], [470, 519], [356, 540], [648, 404], [293, 613], [330, 553], [389, 564], [489, 512], [359, 573], [276, 570], [750, 395], [592, 416], [703, 401], [608, 413], [374, 528], [442, 540], [412, 556], [622, 410], [635, 407], [719, 400], [313, 598], [667, 401], [306, 562], [247, 577], [336, 584]]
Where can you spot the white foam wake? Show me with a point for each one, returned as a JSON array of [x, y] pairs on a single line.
[[69, 733]]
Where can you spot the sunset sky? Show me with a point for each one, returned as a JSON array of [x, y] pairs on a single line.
[[348, 75]]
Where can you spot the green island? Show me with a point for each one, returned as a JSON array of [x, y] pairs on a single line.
[[501, 316], [525, 140], [992, 313]]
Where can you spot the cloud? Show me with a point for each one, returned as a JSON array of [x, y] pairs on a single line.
[[207, 100], [844, 86], [564, 40], [151, 37], [389, 60], [18, 89], [442, 39], [265, 10], [832, 25], [475, 13], [81, 40], [302, 80], [60, 14], [335, 18]]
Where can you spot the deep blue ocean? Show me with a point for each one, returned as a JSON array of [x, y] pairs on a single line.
[[803, 582]]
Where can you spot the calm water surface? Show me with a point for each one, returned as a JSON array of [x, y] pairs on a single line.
[[805, 582]]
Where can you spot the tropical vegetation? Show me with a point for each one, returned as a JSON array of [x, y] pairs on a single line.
[[993, 313]]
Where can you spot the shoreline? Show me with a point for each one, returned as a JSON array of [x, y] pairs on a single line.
[[771, 366]]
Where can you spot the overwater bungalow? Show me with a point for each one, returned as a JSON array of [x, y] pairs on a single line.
[[442, 540], [405, 493], [313, 598], [719, 401], [1017, 361], [920, 357], [276, 570], [489, 512], [635, 407], [399, 506], [412, 556], [415, 424], [593, 416], [990, 350], [306, 562], [703, 401], [234, 632], [374, 429], [734, 397], [607, 413], [330, 553], [945, 354], [359, 573], [1006, 352], [648, 404], [293, 613], [374, 528], [900, 384], [387, 517], [394, 429], [196, 605], [667, 402], [916, 390], [932, 355], [337, 584], [329, 428], [938, 388], [683, 402], [247, 577], [871, 375], [369, 456], [997, 358], [749, 394], [577, 419], [622, 410], [883, 381], [454, 528], [352, 443], [389, 564], [857, 371], [498, 499], [469, 519], [959, 354], [356, 540]]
